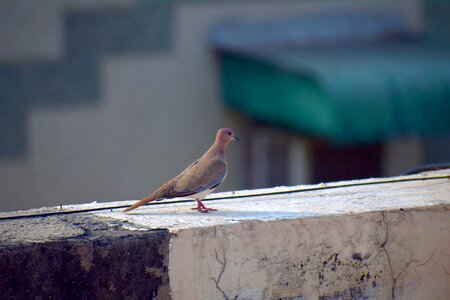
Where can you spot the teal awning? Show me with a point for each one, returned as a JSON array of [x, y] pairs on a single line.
[[344, 95]]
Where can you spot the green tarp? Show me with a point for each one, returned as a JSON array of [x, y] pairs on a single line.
[[344, 95]]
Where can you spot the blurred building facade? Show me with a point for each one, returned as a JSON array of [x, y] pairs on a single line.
[[105, 100]]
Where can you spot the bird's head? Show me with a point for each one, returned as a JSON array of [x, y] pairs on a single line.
[[226, 135]]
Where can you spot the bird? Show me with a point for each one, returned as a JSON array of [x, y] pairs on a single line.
[[200, 178]]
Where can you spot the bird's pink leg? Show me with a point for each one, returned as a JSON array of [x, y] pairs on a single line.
[[202, 208]]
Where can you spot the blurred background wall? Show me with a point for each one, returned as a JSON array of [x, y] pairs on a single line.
[[104, 100]]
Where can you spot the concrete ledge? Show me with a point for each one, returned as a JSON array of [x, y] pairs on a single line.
[[370, 241], [81, 257]]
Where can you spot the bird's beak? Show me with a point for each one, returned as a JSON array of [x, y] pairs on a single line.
[[236, 138]]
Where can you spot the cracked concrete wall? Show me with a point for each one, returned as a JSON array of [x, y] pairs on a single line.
[[400, 254]]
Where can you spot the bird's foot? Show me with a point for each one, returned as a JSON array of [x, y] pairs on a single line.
[[202, 208], [206, 209]]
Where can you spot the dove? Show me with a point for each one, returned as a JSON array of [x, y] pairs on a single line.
[[199, 179]]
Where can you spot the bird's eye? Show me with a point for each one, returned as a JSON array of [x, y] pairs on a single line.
[[229, 133]]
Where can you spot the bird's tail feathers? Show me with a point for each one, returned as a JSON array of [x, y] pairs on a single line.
[[146, 200]]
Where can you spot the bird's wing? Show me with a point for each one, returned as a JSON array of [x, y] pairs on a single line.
[[199, 176]]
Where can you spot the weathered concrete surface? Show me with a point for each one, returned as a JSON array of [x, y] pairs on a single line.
[[382, 241], [81, 257], [372, 241]]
